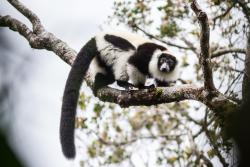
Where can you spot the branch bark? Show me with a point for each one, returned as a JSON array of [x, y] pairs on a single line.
[[240, 126], [39, 38], [204, 57], [246, 79], [160, 40], [222, 15], [35, 21], [221, 52]]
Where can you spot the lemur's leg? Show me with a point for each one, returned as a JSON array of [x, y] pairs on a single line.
[[162, 83], [136, 77], [120, 72], [142, 86], [102, 80], [125, 84]]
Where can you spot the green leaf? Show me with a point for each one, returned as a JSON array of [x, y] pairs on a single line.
[[98, 108], [172, 160], [211, 153]]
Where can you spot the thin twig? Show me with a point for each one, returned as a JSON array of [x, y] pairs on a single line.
[[160, 40], [221, 52], [222, 15]]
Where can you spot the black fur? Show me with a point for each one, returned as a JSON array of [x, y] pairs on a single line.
[[109, 78], [102, 80], [125, 84], [143, 56], [119, 42], [162, 83], [169, 59], [71, 94]]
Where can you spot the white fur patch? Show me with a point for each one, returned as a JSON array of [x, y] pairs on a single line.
[[120, 65], [157, 74], [94, 69], [114, 56], [135, 76]]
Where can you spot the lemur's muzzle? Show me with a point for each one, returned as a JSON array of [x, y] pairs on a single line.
[[164, 67]]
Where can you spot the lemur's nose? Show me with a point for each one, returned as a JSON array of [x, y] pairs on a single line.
[[164, 67]]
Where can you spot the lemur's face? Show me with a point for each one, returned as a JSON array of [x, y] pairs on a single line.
[[166, 62]]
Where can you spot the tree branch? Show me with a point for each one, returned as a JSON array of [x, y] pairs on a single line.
[[190, 45], [224, 13], [246, 78], [43, 40], [134, 139], [158, 39], [212, 142], [221, 52], [204, 57], [37, 26], [245, 8], [16, 25], [199, 154]]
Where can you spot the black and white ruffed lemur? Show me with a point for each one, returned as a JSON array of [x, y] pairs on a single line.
[[125, 58]]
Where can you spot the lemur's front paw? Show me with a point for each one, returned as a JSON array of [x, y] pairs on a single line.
[[152, 86], [146, 87]]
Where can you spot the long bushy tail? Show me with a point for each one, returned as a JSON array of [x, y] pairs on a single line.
[[71, 94]]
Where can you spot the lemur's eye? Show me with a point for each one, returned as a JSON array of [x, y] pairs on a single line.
[[170, 61]]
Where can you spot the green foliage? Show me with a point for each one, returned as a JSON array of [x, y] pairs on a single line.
[[169, 29], [95, 149], [80, 123], [172, 160], [98, 108], [117, 156], [159, 92], [185, 61], [83, 101]]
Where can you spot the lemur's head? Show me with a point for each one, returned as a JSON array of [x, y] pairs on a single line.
[[166, 62], [164, 66]]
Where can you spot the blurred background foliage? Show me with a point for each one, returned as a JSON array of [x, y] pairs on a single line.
[[183, 133]]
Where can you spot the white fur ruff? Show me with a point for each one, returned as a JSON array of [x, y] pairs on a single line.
[[94, 69], [135, 76], [157, 74]]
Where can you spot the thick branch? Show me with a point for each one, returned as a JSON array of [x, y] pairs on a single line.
[[246, 78], [215, 101], [226, 51], [45, 40], [150, 96], [15, 25], [204, 44]]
